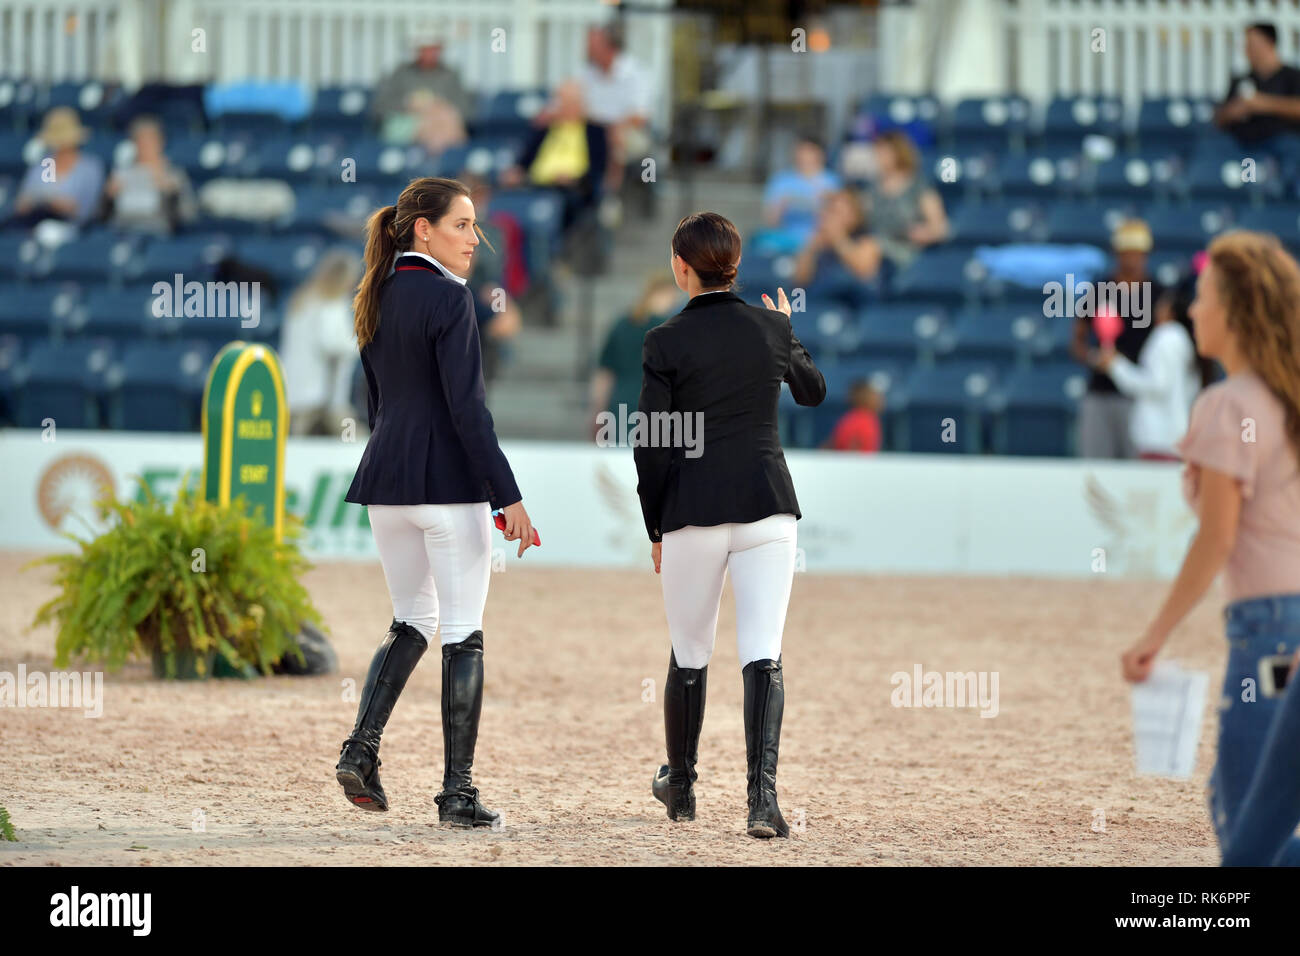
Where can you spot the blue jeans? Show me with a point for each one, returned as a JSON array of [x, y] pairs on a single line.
[[1256, 628]]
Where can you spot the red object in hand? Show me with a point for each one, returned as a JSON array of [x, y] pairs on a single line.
[[1108, 326], [500, 519]]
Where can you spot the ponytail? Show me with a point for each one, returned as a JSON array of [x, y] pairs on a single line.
[[381, 246], [390, 229]]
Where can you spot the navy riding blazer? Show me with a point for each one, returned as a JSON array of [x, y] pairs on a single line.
[[431, 435]]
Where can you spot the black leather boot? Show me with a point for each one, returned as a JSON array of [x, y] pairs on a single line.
[[462, 701], [358, 766], [764, 702], [684, 693]]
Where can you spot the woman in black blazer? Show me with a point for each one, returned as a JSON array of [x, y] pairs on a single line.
[[724, 504], [431, 474]]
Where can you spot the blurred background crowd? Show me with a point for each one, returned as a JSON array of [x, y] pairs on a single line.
[[918, 231]]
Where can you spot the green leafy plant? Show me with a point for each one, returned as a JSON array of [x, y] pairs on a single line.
[[143, 586], [6, 827]]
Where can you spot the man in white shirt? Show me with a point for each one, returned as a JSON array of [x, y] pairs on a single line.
[[617, 92]]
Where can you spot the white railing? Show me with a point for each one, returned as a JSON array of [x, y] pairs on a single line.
[[51, 42], [494, 44], [1152, 48], [1132, 49]]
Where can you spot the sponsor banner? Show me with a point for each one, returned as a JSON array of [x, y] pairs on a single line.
[[887, 514]]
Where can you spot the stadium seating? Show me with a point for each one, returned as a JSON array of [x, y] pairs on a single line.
[[63, 382]]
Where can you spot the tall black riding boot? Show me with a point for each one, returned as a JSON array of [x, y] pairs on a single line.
[[462, 701], [358, 766], [764, 702], [684, 692]]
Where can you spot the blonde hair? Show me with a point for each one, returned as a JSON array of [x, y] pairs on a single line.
[[653, 283], [905, 154], [334, 277], [1259, 283]]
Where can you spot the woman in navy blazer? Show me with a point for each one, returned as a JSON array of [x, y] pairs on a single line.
[[430, 476], [724, 504]]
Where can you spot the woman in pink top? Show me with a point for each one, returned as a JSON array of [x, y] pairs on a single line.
[[1242, 450]]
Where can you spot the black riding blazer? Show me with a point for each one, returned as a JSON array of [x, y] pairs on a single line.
[[725, 359], [431, 436]]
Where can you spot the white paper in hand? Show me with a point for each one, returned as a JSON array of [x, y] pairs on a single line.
[[1167, 710]]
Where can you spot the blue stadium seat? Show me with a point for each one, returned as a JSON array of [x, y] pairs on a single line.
[[1214, 144], [897, 331], [123, 315], [202, 157], [315, 207], [1135, 175], [1085, 222], [1228, 179], [20, 256], [952, 275], [10, 355], [508, 112], [1038, 175], [256, 124], [12, 161], [1070, 119], [828, 329], [993, 124], [810, 427], [18, 104], [1185, 227], [1170, 267], [63, 382], [483, 156], [1035, 410], [159, 386], [378, 161], [538, 211], [92, 100], [192, 256], [961, 177], [1280, 219], [993, 223], [1002, 335], [31, 313], [98, 256], [1173, 122], [934, 394], [835, 282], [920, 116], [293, 160], [340, 109]]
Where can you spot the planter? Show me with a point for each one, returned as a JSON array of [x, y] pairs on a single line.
[[187, 662]]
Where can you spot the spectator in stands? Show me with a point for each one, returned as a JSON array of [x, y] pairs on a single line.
[[319, 348], [906, 212], [151, 195], [793, 197], [1262, 108], [859, 428], [1162, 383], [495, 276], [617, 378], [438, 125], [840, 236], [66, 183], [617, 92], [401, 115], [568, 153], [1104, 411]]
